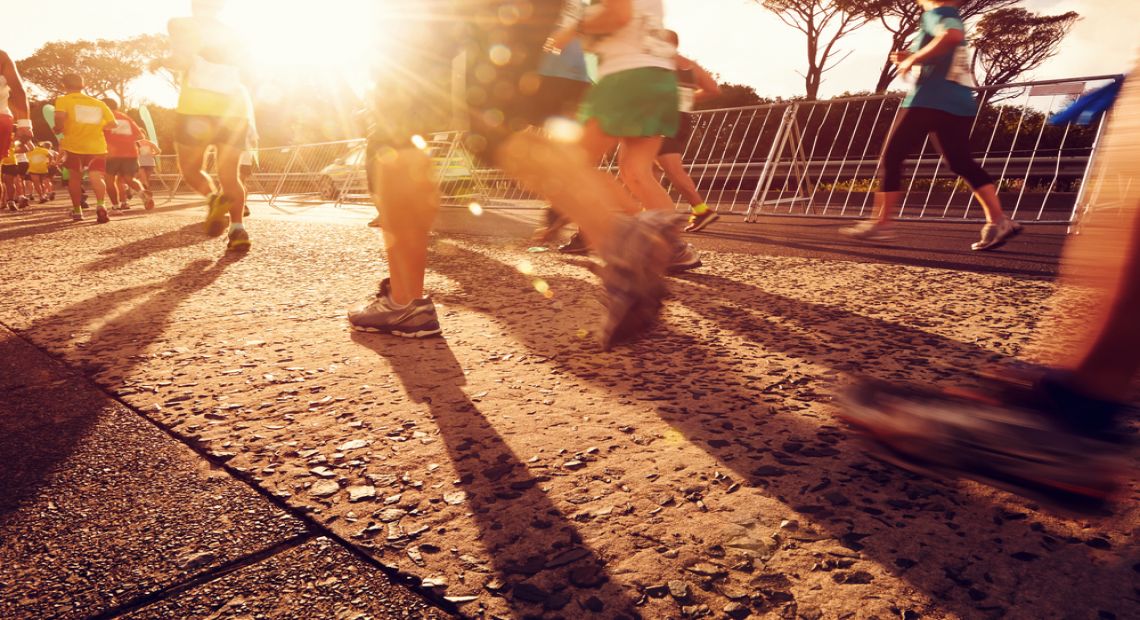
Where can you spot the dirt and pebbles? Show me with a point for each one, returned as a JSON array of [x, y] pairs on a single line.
[[519, 471]]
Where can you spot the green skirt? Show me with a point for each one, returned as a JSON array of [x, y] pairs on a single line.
[[635, 103]]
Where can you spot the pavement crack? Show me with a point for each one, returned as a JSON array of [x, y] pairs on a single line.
[[201, 579]]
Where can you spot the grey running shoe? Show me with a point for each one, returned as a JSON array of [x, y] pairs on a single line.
[[101, 215], [417, 320], [995, 235], [238, 241], [77, 215], [633, 276], [869, 230], [698, 223], [684, 259]]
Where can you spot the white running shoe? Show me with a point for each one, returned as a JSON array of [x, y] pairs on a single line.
[[869, 230], [995, 235]]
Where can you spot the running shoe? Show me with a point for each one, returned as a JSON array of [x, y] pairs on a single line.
[[576, 245], [126, 206], [375, 223], [684, 259], [51, 196], [1004, 435], [698, 223], [246, 212], [101, 215], [238, 240], [417, 320], [634, 274], [77, 215], [996, 235], [217, 216], [869, 230], [12, 205], [553, 225], [43, 199], [23, 202], [148, 200]]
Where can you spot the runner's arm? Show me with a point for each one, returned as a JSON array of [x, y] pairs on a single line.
[[707, 88], [947, 41], [614, 15], [60, 120], [17, 96]]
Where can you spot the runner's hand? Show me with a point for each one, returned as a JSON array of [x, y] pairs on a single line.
[[905, 67], [899, 56], [24, 134]]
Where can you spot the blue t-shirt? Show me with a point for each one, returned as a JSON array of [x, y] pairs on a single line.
[[946, 84], [570, 64]]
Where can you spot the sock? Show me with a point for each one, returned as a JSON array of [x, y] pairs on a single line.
[[701, 209], [236, 226], [99, 203], [396, 306]]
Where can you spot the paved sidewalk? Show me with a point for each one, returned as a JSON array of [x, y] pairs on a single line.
[[103, 515], [521, 472]]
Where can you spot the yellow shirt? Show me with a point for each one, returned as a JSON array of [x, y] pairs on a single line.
[[83, 128], [212, 84], [39, 159]]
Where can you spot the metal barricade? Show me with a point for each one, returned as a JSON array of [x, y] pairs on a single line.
[[792, 158], [827, 157]]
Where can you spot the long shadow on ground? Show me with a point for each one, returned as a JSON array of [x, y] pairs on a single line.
[[535, 549], [960, 547], [120, 339]]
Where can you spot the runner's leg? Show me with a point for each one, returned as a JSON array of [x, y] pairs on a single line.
[[192, 164]]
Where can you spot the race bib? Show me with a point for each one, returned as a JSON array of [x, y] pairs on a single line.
[[222, 79], [687, 97], [88, 115]]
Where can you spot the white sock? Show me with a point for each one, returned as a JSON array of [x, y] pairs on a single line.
[[236, 226]]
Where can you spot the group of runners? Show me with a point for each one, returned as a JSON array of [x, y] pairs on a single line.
[[527, 70], [98, 143]]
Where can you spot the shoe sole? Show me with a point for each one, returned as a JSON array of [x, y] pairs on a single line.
[[685, 266], [424, 333], [704, 224], [239, 247], [575, 252], [1001, 242]]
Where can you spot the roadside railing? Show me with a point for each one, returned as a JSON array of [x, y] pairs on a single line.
[[792, 158]]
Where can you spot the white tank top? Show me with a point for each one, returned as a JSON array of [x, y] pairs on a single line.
[[639, 44], [5, 92]]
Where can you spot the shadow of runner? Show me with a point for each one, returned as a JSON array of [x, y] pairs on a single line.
[[115, 345], [114, 258], [536, 551], [948, 542]]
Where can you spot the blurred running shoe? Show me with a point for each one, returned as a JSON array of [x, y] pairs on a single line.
[[1006, 435], [699, 222], [634, 274], [576, 245], [684, 259], [870, 230], [217, 216]]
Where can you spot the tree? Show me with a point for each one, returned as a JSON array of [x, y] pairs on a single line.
[[108, 67], [1013, 42], [824, 22], [901, 18], [734, 96]]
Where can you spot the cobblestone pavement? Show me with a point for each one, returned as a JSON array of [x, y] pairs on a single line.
[[519, 471]]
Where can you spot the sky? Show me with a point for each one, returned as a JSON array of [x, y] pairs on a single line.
[[736, 39]]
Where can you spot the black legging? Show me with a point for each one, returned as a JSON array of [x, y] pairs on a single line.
[[951, 136]]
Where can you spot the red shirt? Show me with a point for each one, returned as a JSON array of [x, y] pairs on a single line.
[[123, 137]]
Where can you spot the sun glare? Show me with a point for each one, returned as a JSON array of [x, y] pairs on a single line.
[[287, 36]]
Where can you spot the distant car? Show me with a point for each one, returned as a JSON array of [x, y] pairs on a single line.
[[346, 175]]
